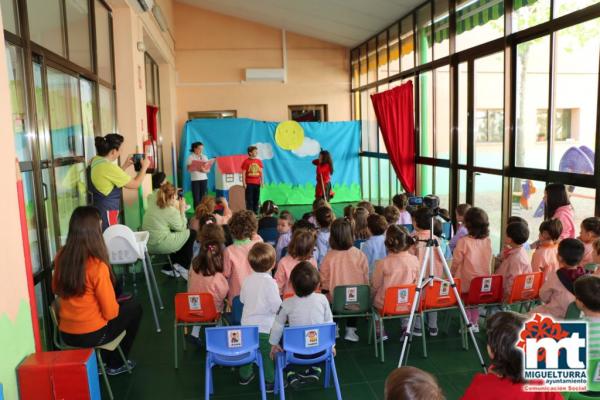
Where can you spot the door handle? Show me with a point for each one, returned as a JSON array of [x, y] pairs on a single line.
[[45, 191]]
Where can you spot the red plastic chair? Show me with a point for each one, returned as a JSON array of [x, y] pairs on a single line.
[[438, 297], [397, 303], [484, 290], [193, 309], [525, 290]]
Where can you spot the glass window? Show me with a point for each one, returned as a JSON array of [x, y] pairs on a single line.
[[424, 42], [478, 22], [372, 127], [531, 92], [489, 115], [30, 212], [441, 29], [407, 44], [364, 119], [424, 179], [382, 56], [563, 7], [10, 16], [103, 42], [576, 71], [65, 115], [381, 143], [463, 82], [442, 112], [70, 193], [107, 110], [487, 194], [426, 114], [462, 186], [354, 64], [393, 50], [42, 310], [372, 60], [366, 177], [583, 201], [46, 24], [527, 198], [78, 30], [356, 108], [363, 65], [14, 62], [384, 181], [529, 13], [86, 89], [442, 186], [374, 162]]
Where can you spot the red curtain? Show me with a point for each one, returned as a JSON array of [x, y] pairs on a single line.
[[394, 109], [151, 112]]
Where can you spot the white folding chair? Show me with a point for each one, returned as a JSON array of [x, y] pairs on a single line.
[[127, 247]]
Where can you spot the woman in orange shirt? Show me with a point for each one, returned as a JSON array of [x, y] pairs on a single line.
[[89, 314]]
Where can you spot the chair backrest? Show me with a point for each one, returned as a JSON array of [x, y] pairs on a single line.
[[440, 295], [526, 287], [122, 245], [237, 307], [53, 309], [447, 230], [573, 312], [231, 340], [307, 340], [358, 243], [485, 290], [351, 299], [398, 300], [409, 228], [195, 307], [269, 235]]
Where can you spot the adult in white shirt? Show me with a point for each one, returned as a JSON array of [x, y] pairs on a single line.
[[199, 177]]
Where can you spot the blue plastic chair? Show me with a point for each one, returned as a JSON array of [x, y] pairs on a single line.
[[219, 351], [237, 307], [358, 242], [269, 235], [447, 230], [306, 341], [409, 228]]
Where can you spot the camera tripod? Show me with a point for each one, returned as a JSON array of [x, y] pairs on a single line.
[[433, 248]]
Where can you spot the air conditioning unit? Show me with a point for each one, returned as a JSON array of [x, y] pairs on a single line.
[[146, 5], [265, 74]]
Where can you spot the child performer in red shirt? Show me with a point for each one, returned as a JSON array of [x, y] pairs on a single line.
[[324, 170], [252, 176]]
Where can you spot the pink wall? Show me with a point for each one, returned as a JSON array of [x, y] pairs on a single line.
[[212, 50]]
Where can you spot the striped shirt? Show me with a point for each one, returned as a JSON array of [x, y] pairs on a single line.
[[593, 337]]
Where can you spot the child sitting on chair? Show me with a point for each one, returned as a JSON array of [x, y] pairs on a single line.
[[305, 308], [344, 265], [504, 379], [515, 260], [473, 255], [587, 289], [374, 247], [589, 232], [391, 214], [544, 257], [261, 300], [284, 229], [461, 231], [410, 383], [557, 292], [300, 249], [401, 202], [324, 218], [243, 226]]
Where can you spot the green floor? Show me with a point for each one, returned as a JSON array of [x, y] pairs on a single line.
[[361, 375]]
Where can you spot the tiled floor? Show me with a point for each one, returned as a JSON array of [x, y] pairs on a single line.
[[361, 375]]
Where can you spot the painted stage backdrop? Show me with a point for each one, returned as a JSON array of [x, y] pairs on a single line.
[[289, 175]]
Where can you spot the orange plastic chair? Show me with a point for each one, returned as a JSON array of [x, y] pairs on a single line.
[[438, 297], [484, 290], [397, 303], [193, 309], [525, 290]]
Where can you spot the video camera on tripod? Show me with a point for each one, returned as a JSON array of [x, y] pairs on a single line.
[[431, 201]]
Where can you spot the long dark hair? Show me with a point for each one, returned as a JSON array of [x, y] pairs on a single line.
[[210, 259], [84, 241], [556, 197], [105, 144], [326, 159], [502, 334]]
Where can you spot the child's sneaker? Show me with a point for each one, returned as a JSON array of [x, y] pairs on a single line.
[[417, 331], [475, 328], [270, 387], [433, 331], [293, 379], [120, 370], [379, 336], [311, 374], [245, 381], [351, 335]]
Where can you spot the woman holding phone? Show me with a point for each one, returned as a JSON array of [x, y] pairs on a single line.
[[166, 222], [107, 179]]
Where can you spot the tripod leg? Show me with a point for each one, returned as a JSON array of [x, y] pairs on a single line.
[[423, 335]]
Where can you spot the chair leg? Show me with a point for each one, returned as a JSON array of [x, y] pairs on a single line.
[[327, 378], [104, 376], [261, 376], [280, 367], [125, 361], [150, 295], [175, 344], [153, 277], [423, 335], [335, 379], [374, 321], [207, 380], [381, 351]]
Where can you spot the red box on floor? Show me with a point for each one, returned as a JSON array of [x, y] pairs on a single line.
[[54, 375]]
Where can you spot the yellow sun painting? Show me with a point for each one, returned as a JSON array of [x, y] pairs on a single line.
[[289, 135]]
